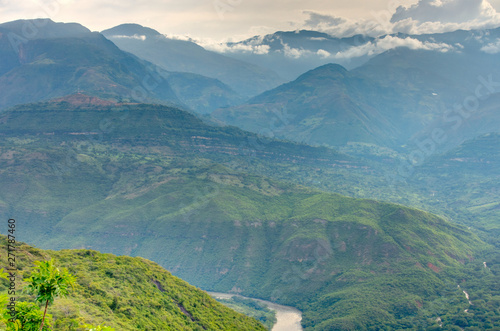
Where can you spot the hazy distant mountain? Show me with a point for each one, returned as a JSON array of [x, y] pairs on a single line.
[[450, 72], [291, 53], [62, 59], [456, 91], [395, 99], [186, 56], [330, 105]]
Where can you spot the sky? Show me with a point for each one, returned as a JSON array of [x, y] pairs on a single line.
[[222, 20]]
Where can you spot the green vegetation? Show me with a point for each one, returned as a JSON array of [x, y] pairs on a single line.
[[207, 202], [124, 293], [30, 317], [156, 182]]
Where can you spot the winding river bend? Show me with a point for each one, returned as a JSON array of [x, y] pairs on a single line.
[[287, 318]]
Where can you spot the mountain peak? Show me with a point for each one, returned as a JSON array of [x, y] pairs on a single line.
[[130, 29], [331, 67], [44, 28], [330, 70]]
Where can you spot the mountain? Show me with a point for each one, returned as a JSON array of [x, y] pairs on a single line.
[[62, 59], [126, 293], [180, 55], [397, 99], [147, 180], [457, 91], [291, 53], [329, 105]]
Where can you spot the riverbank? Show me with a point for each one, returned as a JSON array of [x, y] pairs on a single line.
[[287, 318]]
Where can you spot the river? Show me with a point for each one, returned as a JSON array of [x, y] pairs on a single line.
[[287, 318]]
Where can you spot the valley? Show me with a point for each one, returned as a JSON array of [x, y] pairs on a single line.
[[346, 193], [144, 190]]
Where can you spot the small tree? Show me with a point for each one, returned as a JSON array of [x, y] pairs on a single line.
[[48, 282]]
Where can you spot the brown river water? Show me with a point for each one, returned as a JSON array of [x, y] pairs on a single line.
[[288, 318]]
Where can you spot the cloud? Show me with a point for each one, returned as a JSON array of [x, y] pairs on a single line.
[[135, 36], [294, 53], [318, 21], [375, 47], [233, 48], [323, 54], [436, 16], [426, 16], [386, 43], [446, 11], [492, 48], [341, 27]]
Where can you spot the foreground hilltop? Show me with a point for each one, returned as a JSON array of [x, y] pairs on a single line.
[[128, 294]]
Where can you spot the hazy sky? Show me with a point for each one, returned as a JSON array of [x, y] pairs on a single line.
[[236, 19]]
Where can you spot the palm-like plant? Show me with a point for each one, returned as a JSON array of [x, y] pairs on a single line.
[[48, 282]]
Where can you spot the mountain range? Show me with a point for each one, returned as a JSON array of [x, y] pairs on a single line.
[[186, 56], [291, 53], [396, 100], [118, 142], [53, 64]]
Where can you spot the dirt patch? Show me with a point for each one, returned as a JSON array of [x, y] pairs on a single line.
[[433, 267], [82, 100], [158, 285]]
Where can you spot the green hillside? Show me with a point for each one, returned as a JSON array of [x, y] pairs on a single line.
[[126, 293], [144, 180]]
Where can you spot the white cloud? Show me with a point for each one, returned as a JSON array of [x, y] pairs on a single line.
[[233, 48], [135, 36], [378, 46], [386, 43], [323, 54], [340, 27], [446, 11], [435, 16], [294, 53], [492, 48], [317, 21]]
